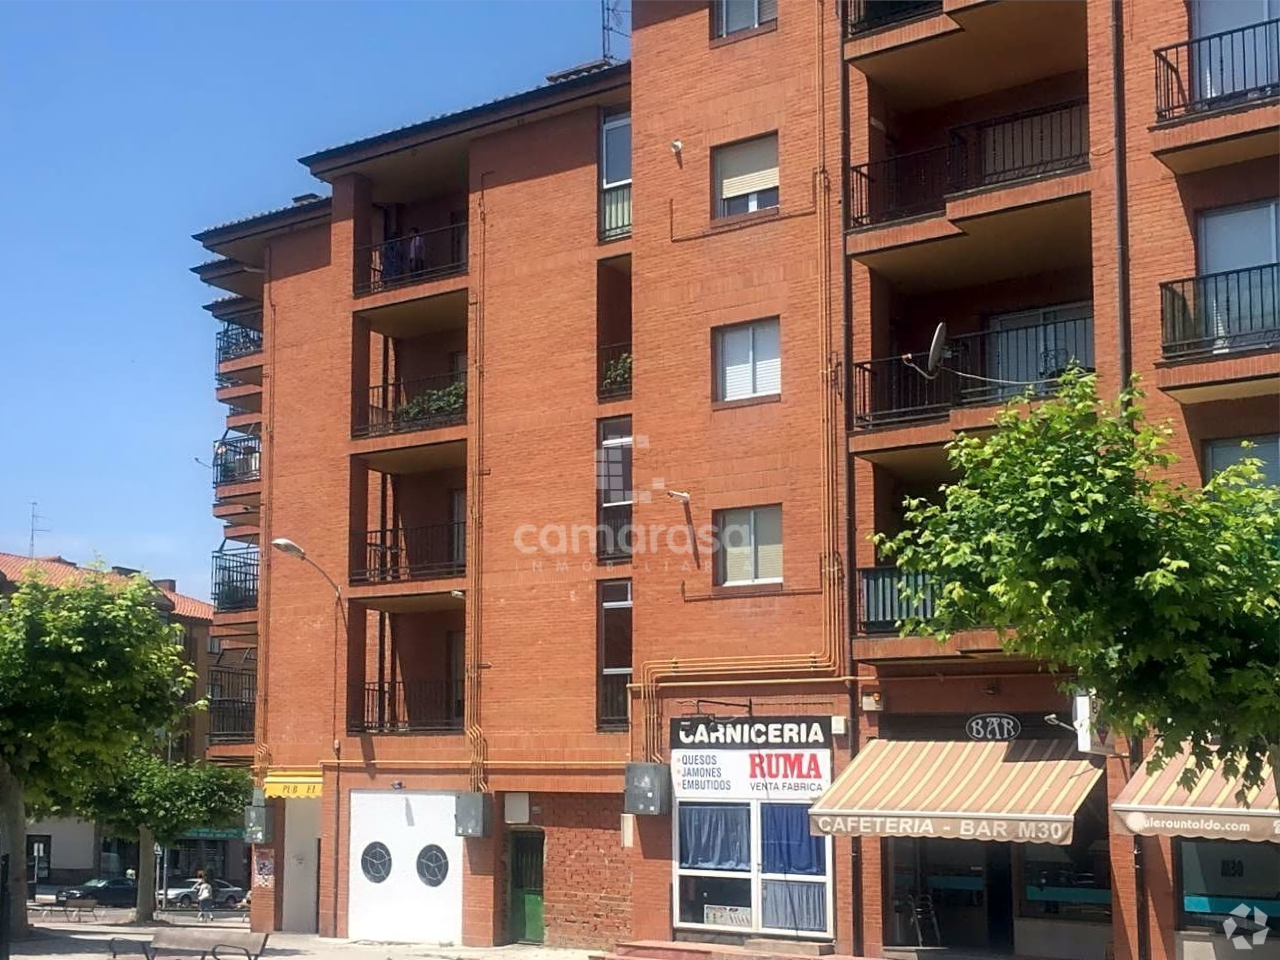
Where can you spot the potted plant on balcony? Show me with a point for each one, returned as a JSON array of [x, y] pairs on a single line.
[[434, 404], [617, 372]]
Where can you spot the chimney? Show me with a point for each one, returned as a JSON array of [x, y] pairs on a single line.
[[125, 571], [170, 585]]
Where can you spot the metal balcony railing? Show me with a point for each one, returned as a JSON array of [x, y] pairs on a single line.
[[237, 460], [613, 532], [412, 706], [235, 341], [1218, 71], [235, 580], [612, 711], [615, 212], [862, 16], [888, 391], [1001, 150], [231, 695], [1221, 312], [881, 604], [414, 553], [421, 256], [613, 371], [420, 404]]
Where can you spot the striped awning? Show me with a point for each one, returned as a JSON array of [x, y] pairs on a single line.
[[1156, 804], [293, 783], [1025, 791]]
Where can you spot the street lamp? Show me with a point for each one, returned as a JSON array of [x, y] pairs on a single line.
[[287, 546]]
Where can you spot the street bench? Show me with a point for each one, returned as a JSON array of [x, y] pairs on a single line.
[[186, 941], [73, 908]]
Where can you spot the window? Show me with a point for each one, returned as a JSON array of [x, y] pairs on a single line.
[[615, 151], [734, 16], [215, 644], [1228, 57], [749, 545], [613, 485], [1216, 876], [615, 652], [746, 176], [748, 360], [1219, 454], [1033, 347]]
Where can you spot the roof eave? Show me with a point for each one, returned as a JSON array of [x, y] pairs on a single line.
[[266, 223]]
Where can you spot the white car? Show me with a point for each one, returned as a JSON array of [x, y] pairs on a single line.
[[183, 894]]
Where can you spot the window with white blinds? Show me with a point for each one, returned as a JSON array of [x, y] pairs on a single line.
[[748, 360], [749, 545], [746, 176], [734, 16]]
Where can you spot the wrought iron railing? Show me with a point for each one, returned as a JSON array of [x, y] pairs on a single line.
[[613, 371], [881, 603], [978, 368], [419, 404], [1000, 150], [414, 553], [612, 711], [613, 532], [1217, 71], [420, 256], [411, 706], [237, 460], [235, 580], [234, 341], [231, 695], [862, 16], [1221, 312], [615, 212]]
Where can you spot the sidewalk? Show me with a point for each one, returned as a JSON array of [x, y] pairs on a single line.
[[88, 941]]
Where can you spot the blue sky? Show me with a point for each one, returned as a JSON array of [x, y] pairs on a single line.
[[124, 128]]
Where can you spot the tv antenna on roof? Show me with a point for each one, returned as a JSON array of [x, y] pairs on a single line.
[[615, 22], [35, 528]]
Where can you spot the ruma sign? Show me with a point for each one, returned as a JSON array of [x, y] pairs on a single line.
[[744, 758]]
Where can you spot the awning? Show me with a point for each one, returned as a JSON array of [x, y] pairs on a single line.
[[1025, 791], [1157, 805], [292, 784]]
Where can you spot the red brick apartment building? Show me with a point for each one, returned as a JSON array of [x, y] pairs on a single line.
[[575, 411]]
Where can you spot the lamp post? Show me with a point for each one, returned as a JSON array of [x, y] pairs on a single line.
[[287, 546]]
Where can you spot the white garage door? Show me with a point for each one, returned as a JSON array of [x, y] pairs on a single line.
[[405, 876]]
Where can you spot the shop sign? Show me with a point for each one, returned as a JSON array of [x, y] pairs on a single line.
[[749, 757], [213, 833], [1018, 830], [1217, 825], [995, 727], [722, 916]]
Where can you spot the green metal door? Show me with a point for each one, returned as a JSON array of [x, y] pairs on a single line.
[[526, 886]]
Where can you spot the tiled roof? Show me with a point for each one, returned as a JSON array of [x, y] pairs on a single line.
[[58, 571], [567, 79]]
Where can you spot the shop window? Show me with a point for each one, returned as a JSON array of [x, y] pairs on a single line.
[[715, 836], [1066, 883], [1218, 876]]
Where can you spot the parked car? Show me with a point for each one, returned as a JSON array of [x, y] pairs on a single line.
[[183, 893], [109, 892]]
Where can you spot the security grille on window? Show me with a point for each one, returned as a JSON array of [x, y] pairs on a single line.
[[746, 176], [749, 545], [615, 651], [748, 360], [734, 16]]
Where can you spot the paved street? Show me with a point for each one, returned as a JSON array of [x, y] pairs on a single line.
[[88, 941]]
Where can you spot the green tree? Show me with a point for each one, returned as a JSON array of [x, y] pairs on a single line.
[[154, 801], [88, 671], [1064, 533]]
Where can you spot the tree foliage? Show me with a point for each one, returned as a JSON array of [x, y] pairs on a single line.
[[1065, 534]]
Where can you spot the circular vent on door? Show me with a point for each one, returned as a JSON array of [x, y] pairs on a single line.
[[433, 865], [376, 862]]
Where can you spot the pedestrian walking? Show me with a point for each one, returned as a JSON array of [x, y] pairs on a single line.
[[204, 896]]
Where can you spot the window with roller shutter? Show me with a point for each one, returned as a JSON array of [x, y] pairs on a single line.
[[748, 360], [748, 545], [746, 176], [734, 16]]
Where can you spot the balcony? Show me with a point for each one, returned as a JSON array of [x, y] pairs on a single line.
[[1219, 71], [413, 706], [613, 533], [234, 341], [612, 710], [888, 392], [237, 460], [863, 16], [231, 695], [615, 212], [235, 580], [431, 552], [613, 371], [408, 405], [881, 604], [417, 258], [1221, 313], [991, 153]]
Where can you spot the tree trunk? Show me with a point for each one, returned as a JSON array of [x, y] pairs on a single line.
[[146, 875], [13, 841]]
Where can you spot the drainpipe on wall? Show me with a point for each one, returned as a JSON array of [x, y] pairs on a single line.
[[1122, 193]]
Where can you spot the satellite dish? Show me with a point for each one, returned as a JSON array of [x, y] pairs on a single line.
[[936, 347]]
